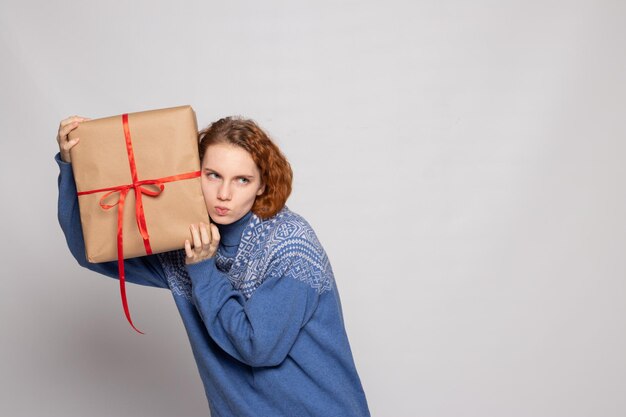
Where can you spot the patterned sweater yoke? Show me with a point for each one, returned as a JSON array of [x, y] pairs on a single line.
[[282, 244]]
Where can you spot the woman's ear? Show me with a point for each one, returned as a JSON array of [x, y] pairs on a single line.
[[261, 190]]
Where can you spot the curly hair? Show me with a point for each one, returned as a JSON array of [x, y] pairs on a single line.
[[275, 170]]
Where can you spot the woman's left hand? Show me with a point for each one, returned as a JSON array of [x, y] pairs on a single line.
[[206, 238]]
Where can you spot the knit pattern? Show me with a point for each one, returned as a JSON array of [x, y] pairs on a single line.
[[284, 244], [178, 278], [223, 263]]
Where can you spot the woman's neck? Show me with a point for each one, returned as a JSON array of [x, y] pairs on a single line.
[[230, 234]]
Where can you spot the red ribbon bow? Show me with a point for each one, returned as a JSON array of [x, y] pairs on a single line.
[[139, 188]]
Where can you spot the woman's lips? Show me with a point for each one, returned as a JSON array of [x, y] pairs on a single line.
[[221, 211]]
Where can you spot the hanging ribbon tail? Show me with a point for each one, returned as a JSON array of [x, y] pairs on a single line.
[[140, 216], [120, 256], [141, 221]]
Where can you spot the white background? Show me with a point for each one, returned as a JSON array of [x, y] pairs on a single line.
[[461, 162]]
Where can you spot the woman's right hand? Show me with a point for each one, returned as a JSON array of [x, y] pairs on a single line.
[[206, 239], [65, 127]]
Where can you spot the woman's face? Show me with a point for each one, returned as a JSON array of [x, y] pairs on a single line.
[[230, 180]]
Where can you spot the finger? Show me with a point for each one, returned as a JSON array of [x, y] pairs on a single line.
[[68, 120], [69, 144], [215, 241], [188, 251], [213, 247], [197, 243], [209, 229], [216, 233], [64, 131], [72, 119], [206, 239]]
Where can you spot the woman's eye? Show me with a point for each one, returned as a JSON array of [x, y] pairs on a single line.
[[214, 175]]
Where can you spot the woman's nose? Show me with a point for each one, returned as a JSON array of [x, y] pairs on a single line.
[[223, 193]]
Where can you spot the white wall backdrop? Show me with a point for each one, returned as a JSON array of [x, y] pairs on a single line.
[[461, 162]]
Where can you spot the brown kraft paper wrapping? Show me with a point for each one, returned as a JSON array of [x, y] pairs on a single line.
[[164, 143]]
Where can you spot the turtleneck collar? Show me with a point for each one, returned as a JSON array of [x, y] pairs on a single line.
[[230, 234]]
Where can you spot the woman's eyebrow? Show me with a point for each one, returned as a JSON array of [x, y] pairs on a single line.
[[240, 175]]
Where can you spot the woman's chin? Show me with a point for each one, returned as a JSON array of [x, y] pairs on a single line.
[[223, 220]]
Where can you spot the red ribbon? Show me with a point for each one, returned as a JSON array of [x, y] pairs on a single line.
[[139, 212]]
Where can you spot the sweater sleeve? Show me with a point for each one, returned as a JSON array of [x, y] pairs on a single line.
[[144, 270], [261, 330]]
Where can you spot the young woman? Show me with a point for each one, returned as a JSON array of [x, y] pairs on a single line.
[[255, 288]]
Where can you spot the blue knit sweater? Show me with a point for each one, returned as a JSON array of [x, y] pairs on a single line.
[[263, 316]]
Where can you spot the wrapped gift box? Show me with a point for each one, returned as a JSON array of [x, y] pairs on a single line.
[[138, 174]]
